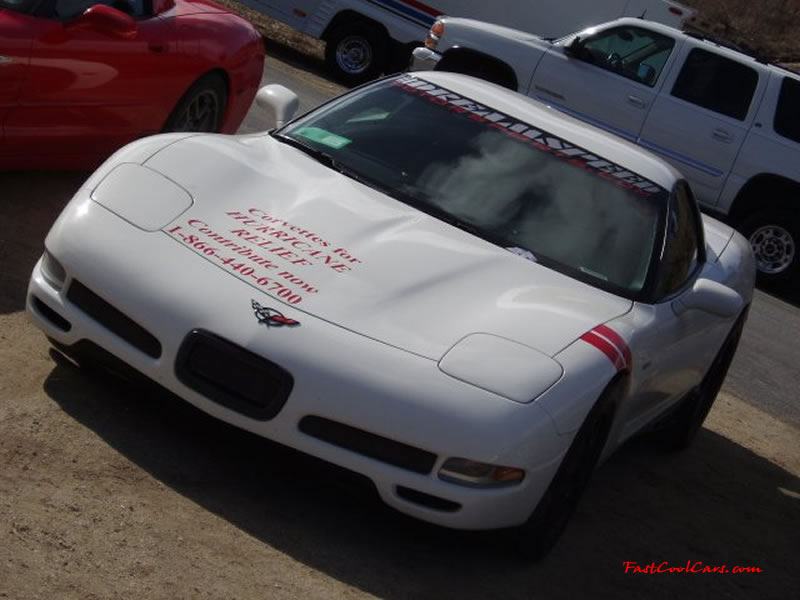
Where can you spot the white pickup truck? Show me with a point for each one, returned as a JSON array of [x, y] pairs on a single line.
[[728, 122]]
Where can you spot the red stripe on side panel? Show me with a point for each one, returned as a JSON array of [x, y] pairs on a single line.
[[616, 339], [590, 337], [423, 7]]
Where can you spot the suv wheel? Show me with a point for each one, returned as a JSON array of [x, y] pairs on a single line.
[[773, 235]]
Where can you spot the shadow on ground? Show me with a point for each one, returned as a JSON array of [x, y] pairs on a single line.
[[789, 293], [297, 59], [717, 503]]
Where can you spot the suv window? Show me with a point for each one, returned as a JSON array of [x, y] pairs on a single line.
[[787, 123], [682, 249], [716, 83], [634, 53]]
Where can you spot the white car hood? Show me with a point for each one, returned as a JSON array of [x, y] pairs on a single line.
[[360, 259]]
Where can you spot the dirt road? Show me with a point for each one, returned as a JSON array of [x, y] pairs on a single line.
[[108, 491]]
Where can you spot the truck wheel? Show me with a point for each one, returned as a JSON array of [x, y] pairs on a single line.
[[356, 52], [541, 531], [773, 235]]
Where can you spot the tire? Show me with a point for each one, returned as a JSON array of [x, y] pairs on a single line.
[[681, 428], [202, 107], [773, 235], [537, 536], [356, 52]]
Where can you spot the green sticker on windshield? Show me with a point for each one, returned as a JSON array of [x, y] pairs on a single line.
[[315, 134]]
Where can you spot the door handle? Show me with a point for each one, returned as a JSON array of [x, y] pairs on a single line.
[[722, 136], [5, 60], [636, 101]]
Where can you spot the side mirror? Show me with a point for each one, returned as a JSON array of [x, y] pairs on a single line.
[[107, 20], [711, 297], [575, 48], [279, 100]]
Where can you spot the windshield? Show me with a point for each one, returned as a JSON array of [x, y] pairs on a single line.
[[503, 180]]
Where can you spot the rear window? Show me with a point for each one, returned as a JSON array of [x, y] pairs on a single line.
[[787, 121], [716, 83], [531, 192]]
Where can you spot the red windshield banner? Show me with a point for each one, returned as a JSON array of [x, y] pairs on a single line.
[[527, 134]]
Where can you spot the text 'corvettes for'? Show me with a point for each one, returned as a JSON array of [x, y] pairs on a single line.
[[453, 290]]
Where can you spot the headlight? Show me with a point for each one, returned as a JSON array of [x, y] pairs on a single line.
[[143, 197], [504, 367], [477, 474], [435, 34], [52, 271]]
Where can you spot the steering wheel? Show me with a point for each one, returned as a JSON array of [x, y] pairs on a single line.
[[614, 61]]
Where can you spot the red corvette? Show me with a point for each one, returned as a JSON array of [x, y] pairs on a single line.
[[80, 78]]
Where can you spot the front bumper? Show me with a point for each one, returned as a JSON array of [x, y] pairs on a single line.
[[424, 59], [355, 383]]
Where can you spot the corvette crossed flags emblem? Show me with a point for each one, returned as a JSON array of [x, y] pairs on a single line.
[[271, 317]]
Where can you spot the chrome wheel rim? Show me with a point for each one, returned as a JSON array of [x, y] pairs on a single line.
[[773, 248], [200, 114], [354, 54]]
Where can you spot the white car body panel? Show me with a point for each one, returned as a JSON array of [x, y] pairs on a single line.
[[376, 274], [390, 340]]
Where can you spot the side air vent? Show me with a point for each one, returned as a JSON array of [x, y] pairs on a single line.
[[377, 447], [113, 319], [427, 500], [51, 316]]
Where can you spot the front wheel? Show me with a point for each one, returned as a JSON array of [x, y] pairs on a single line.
[[356, 52], [682, 426], [539, 533], [202, 107], [773, 235]]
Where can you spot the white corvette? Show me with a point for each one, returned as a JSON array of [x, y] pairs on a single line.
[[434, 282]]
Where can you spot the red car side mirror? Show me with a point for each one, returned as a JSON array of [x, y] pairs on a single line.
[[107, 20]]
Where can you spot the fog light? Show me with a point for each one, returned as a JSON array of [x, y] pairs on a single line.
[[52, 271], [477, 474]]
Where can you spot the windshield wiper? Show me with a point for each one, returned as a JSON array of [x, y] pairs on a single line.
[[315, 153], [328, 160]]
